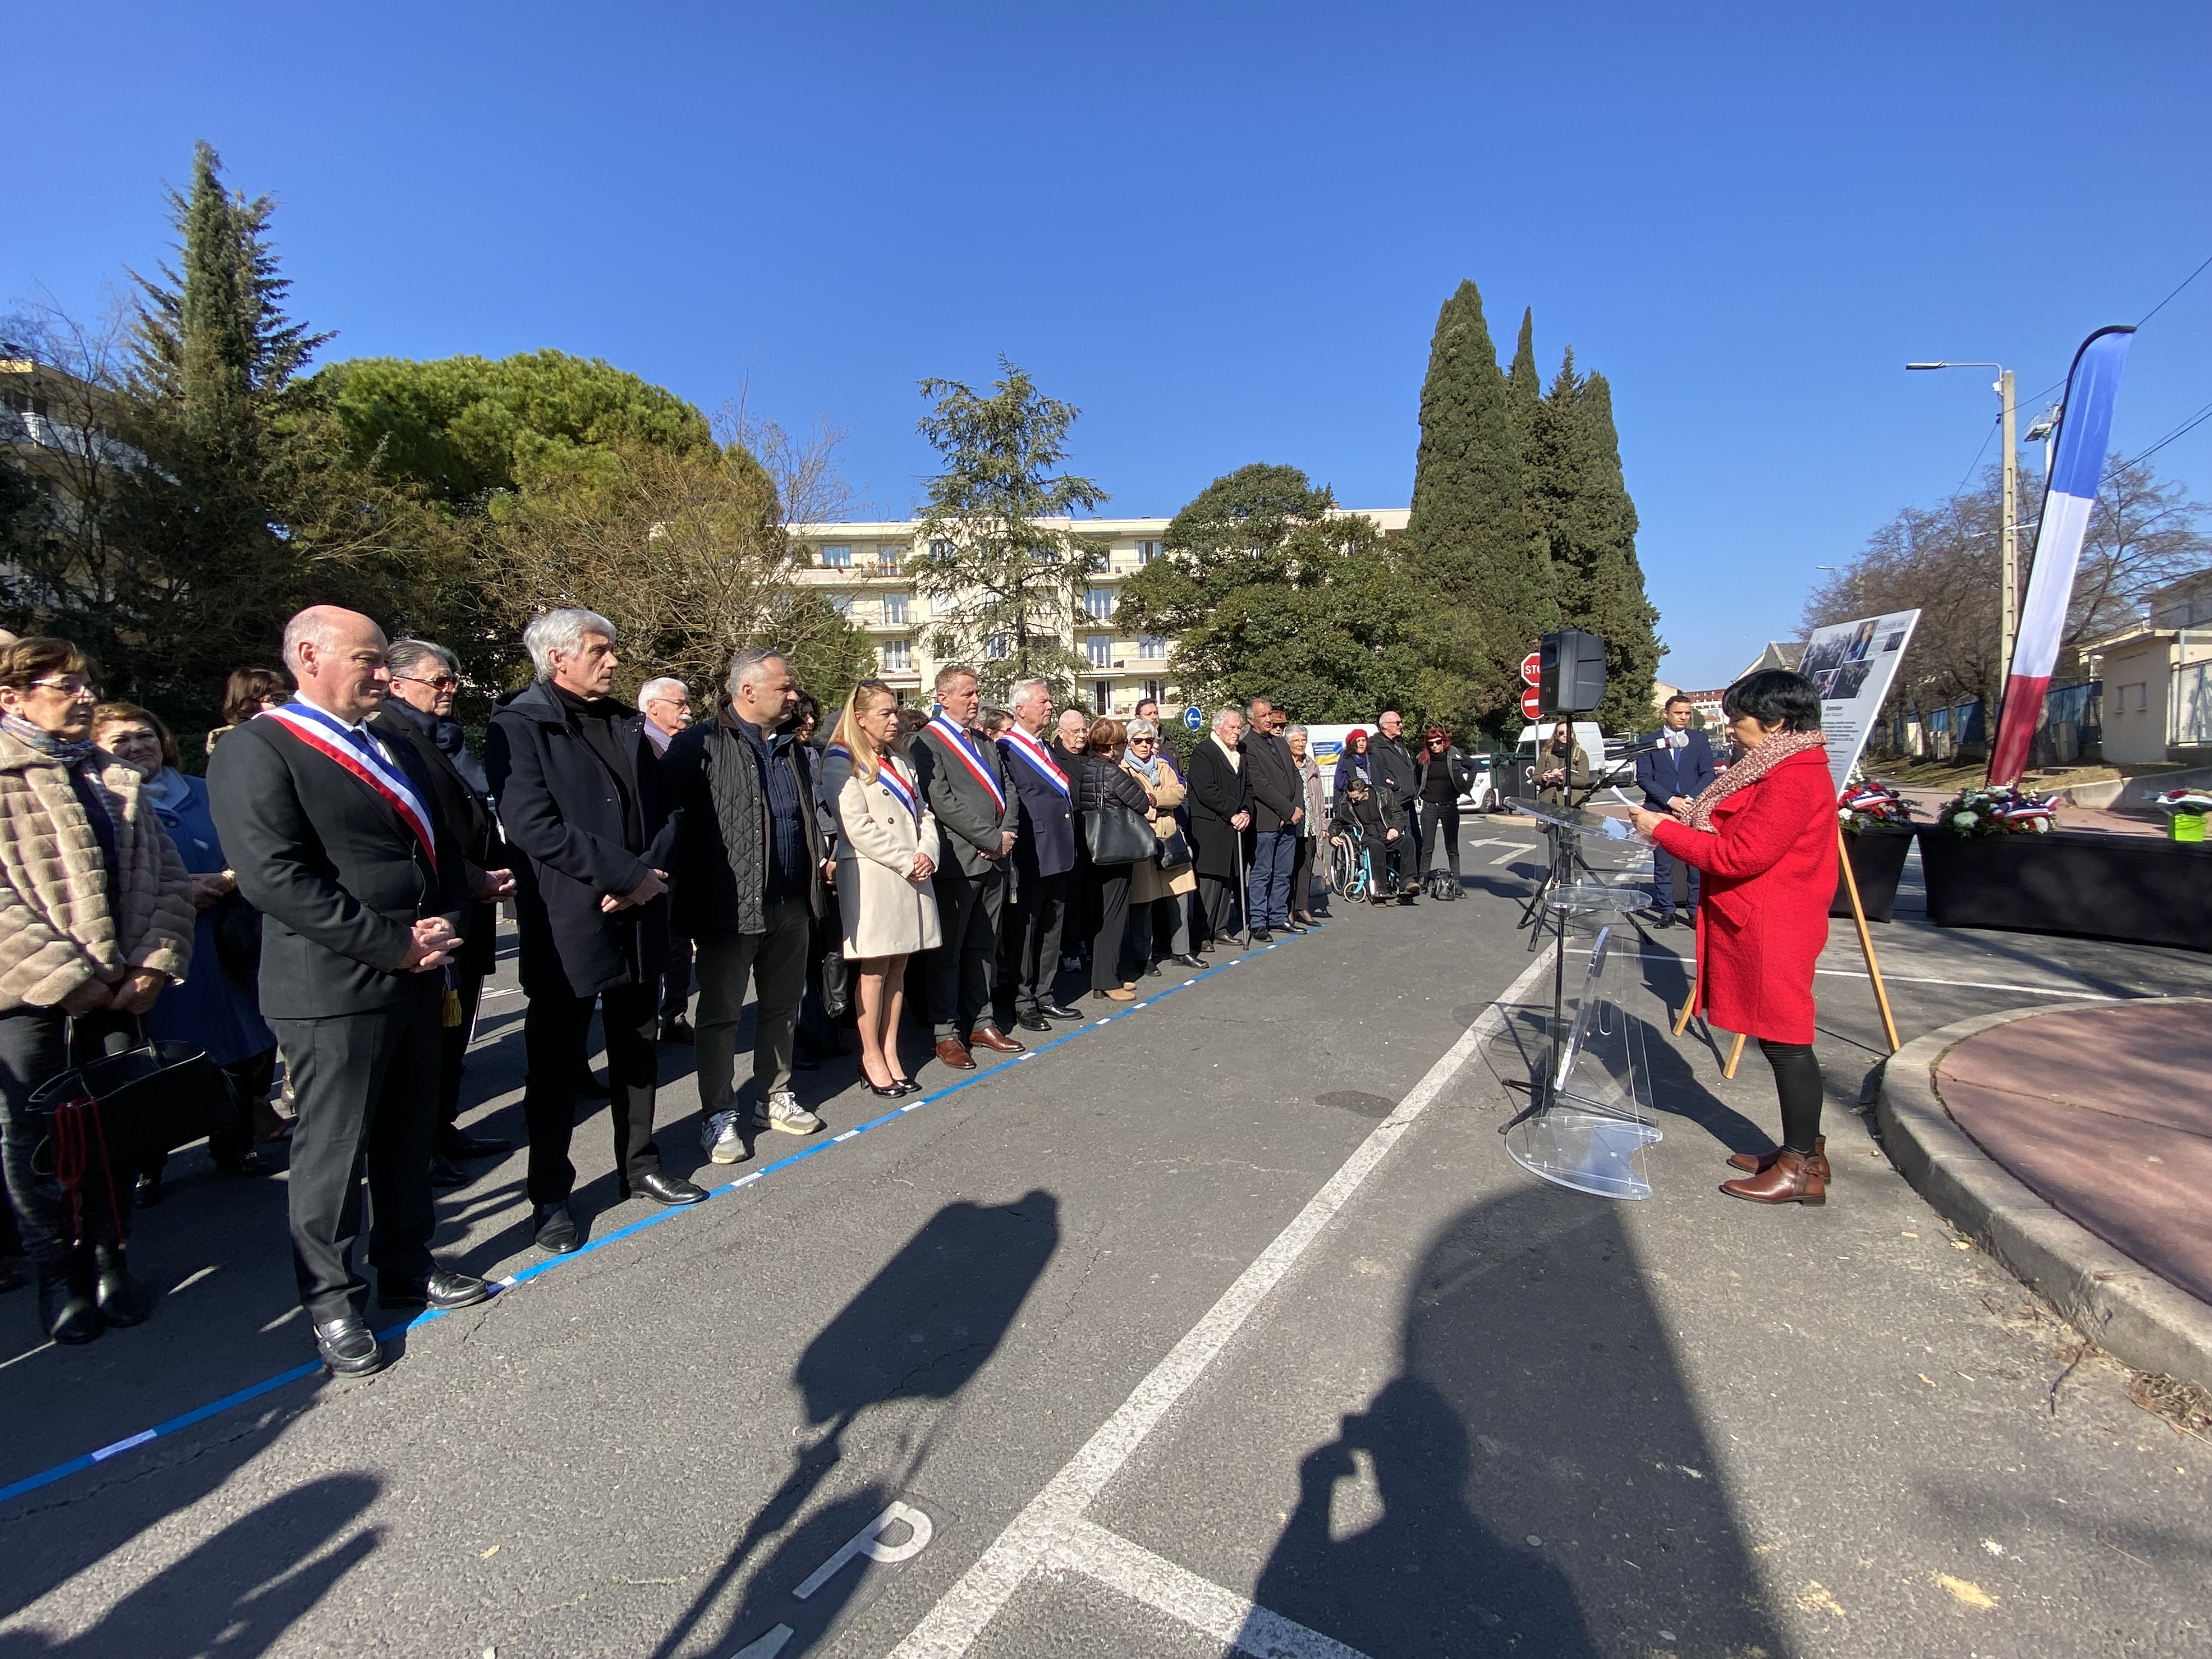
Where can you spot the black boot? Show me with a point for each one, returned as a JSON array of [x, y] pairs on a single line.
[[123, 1299], [66, 1304]]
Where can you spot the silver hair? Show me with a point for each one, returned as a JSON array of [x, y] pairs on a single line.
[[1141, 727], [747, 659], [404, 657], [1223, 716], [1019, 695], [1289, 731], [655, 688], [561, 633]]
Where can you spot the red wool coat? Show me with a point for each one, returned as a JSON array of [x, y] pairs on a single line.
[[1770, 868]]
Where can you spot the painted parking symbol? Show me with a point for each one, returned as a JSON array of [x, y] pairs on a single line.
[[902, 1532]]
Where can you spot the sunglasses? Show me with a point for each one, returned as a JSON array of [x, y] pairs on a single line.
[[443, 683]]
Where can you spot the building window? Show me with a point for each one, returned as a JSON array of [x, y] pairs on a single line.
[[837, 558], [997, 648], [1151, 647], [1102, 694], [1098, 603], [1149, 691], [940, 550], [841, 604], [1146, 552], [897, 656], [895, 608], [1098, 650], [887, 558]]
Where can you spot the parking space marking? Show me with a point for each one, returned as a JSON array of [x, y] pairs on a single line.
[[951, 1627], [1242, 1626]]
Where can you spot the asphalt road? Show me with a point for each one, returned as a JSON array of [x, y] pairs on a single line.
[[1228, 1319]]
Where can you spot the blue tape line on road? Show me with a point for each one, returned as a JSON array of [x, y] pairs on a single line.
[[499, 1288]]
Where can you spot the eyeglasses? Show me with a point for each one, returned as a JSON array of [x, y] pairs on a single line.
[[443, 683], [75, 689]]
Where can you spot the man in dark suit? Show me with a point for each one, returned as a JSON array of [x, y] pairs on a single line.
[[335, 837], [964, 778], [1044, 852], [1671, 778], [1220, 801], [579, 793], [1277, 811], [1394, 770], [418, 716]]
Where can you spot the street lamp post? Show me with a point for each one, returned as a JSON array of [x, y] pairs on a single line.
[[2009, 519]]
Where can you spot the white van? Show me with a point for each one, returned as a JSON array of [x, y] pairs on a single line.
[[1485, 790]]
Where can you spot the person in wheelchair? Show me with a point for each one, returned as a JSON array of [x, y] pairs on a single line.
[[1361, 837]]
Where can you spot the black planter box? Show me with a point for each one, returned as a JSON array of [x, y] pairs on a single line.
[[2128, 887], [1877, 860]]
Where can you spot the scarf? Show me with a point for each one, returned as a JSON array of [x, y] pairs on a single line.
[[1770, 753], [72, 752], [1150, 768]]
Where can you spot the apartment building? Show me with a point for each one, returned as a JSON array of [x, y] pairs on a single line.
[[861, 566]]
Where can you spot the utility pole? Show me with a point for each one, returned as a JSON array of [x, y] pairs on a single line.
[[2009, 622]]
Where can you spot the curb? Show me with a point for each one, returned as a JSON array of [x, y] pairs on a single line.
[[2129, 1311]]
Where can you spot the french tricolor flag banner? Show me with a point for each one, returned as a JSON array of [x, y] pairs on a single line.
[[2092, 386]]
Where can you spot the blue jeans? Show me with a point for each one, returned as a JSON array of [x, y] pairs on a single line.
[[1267, 886]]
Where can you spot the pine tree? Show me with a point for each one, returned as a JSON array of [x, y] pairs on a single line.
[[1469, 530], [1591, 527]]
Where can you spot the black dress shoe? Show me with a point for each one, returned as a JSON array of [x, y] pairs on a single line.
[[1055, 1010], [1293, 928], [678, 1030], [123, 1300], [1189, 959], [347, 1346], [66, 1304], [150, 1190], [446, 1173], [458, 1143], [245, 1163], [555, 1229], [443, 1289], [666, 1189], [1036, 1022], [1261, 936], [1664, 919]]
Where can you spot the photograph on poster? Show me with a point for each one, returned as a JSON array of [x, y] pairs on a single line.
[[1853, 664]]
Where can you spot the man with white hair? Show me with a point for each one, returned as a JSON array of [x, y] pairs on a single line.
[[666, 702], [1044, 852], [581, 798], [1220, 802], [335, 837]]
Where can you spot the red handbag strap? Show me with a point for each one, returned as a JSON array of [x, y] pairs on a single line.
[[79, 1138]]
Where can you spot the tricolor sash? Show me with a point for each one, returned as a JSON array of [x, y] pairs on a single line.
[[356, 752], [888, 775], [968, 757], [1036, 755]]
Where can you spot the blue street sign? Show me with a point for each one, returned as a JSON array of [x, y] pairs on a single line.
[[1194, 719]]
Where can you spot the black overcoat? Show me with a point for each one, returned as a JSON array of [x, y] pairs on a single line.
[[1218, 793]]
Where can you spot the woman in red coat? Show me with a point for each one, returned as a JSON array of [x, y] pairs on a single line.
[[1763, 833]]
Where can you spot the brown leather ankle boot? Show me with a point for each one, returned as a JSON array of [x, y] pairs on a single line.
[[1790, 1179], [1757, 1162]]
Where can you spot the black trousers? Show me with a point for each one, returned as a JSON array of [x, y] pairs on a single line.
[[1028, 945], [251, 1077], [1217, 902], [366, 1086], [1302, 874], [1110, 881], [453, 1048], [962, 968], [554, 1031], [1439, 815], [36, 1046], [676, 984]]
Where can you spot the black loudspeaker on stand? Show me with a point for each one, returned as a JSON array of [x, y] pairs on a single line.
[[1571, 666]]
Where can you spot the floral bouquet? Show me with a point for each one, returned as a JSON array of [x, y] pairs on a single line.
[[1871, 806], [2185, 800], [2003, 812]]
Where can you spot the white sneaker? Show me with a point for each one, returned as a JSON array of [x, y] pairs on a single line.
[[785, 1113], [720, 1140]]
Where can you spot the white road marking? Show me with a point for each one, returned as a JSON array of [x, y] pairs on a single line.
[[1889, 978], [1229, 1618], [1510, 853], [951, 1627], [868, 1541]]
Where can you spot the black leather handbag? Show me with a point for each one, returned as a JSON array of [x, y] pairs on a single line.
[[1175, 850], [1118, 835], [153, 1098]]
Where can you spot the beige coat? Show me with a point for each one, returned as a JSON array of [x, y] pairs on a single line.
[[1147, 881], [884, 913], [56, 928]]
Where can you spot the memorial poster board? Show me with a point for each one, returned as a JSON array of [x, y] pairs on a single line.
[[1852, 665]]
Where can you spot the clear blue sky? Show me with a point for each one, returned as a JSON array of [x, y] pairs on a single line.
[[1223, 232]]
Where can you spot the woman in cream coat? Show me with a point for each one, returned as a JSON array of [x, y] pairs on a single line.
[[886, 852]]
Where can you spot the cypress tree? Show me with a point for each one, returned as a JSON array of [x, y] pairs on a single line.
[[1592, 524], [1469, 530]]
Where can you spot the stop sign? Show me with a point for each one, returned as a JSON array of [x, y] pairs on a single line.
[[1532, 669], [1532, 702]]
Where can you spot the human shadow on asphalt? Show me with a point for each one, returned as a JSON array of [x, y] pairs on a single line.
[[235, 1594], [920, 1330], [1534, 1479]]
